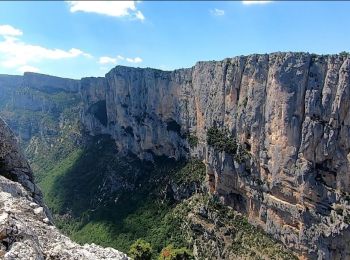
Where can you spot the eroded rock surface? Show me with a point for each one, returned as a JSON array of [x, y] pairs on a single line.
[[26, 231], [289, 111]]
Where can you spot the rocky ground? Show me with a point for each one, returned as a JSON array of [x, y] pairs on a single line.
[[26, 231]]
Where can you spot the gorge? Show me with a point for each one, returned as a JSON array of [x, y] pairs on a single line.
[[267, 136]]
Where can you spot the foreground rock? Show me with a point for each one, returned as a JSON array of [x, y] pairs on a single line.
[[26, 231]]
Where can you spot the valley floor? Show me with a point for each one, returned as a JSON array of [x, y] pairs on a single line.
[[98, 196]]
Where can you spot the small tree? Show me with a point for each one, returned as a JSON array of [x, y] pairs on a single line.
[[172, 253], [140, 250]]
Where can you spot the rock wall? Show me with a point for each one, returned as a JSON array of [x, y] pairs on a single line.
[[289, 111], [36, 105], [26, 231]]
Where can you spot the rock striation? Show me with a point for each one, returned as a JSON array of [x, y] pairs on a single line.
[[288, 111], [26, 231]]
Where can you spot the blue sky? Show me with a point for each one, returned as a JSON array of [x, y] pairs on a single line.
[[77, 39]]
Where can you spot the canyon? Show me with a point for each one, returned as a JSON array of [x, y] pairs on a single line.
[[26, 230], [285, 115]]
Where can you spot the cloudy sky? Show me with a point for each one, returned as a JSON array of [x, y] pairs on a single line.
[[77, 39]]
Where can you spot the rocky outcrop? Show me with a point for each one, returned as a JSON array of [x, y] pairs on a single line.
[[13, 165], [26, 231], [289, 111]]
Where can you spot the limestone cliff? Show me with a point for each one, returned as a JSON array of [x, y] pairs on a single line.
[[26, 231], [287, 111]]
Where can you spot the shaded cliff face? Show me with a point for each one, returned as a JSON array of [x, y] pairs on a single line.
[[25, 224], [288, 110]]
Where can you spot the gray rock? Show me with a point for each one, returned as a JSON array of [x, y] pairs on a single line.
[[290, 109], [24, 235]]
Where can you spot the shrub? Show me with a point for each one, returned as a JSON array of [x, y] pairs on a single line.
[[172, 253], [221, 140], [140, 250], [192, 140]]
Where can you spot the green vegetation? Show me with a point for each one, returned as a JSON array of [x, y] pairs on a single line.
[[191, 171], [222, 141], [140, 250], [113, 201], [172, 253], [243, 239], [344, 53], [192, 140], [245, 102], [97, 196]]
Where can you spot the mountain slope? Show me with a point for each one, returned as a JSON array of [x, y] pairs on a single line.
[[25, 223]]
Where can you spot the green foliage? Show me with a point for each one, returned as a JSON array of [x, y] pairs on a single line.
[[191, 171], [192, 140], [172, 253], [245, 102], [112, 200], [221, 140], [344, 53], [140, 250], [247, 239]]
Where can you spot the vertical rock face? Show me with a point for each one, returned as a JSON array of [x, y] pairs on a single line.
[[13, 164], [26, 231], [289, 110]]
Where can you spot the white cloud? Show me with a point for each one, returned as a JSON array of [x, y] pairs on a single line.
[[135, 60], [107, 60], [139, 15], [249, 2], [217, 12], [110, 8], [111, 60], [8, 30], [17, 54], [27, 68]]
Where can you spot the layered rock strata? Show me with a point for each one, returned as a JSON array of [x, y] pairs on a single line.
[[289, 112]]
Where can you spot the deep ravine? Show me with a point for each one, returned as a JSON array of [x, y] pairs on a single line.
[[279, 153]]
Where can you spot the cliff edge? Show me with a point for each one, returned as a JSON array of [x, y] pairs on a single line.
[[26, 231]]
